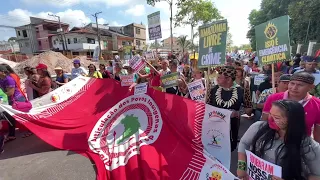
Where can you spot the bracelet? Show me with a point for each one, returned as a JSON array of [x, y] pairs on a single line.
[[242, 165]]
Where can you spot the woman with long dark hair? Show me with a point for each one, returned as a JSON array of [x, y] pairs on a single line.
[[282, 140]]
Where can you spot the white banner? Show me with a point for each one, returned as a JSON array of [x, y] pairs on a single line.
[[216, 134]]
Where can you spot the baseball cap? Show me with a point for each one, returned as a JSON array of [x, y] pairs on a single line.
[[42, 66], [76, 61]]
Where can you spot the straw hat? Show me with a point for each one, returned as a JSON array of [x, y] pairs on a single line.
[[58, 68]]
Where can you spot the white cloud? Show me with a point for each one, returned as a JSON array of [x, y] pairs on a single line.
[[115, 23], [137, 10]]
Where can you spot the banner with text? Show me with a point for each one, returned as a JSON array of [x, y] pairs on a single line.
[[170, 80], [126, 80], [212, 44], [197, 91], [136, 63], [154, 26], [258, 168], [273, 41], [128, 136]]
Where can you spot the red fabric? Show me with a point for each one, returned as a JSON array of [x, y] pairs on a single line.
[[169, 157], [312, 109]]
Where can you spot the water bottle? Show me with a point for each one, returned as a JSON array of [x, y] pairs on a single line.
[[1, 99]]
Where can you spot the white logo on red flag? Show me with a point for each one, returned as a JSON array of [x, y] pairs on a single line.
[[120, 133]]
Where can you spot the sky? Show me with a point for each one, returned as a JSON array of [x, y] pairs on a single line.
[[119, 12]]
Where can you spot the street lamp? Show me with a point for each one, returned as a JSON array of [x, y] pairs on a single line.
[[152, 3]]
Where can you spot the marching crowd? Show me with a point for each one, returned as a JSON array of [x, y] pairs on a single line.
[[286, 131]]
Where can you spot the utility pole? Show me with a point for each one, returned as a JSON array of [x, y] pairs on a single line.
[[63, 36], [98, 34], [170, 3]]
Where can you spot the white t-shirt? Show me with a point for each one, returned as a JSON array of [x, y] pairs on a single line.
[[247, 69], [75, 72]]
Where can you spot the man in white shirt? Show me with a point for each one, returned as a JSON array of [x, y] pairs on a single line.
[[78, 70]]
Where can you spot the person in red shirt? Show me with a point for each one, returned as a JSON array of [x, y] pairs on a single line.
[[298, 90], [44, 84]]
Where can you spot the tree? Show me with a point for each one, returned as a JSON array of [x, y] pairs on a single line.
[[183, 43], [13, 39], [229, 41], [303, 13], [155, 45], [193, 12]]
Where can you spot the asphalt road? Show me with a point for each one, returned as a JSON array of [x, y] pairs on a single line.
[[33, 159]]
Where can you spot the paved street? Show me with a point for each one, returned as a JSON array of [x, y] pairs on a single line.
[[33, 159]]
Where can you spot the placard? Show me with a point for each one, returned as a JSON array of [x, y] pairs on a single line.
[[197, 91], [126, 80], [141, 88], [258, 168], [136, 63], [212, 43], [170, 80], [259, 79], [154, 26]]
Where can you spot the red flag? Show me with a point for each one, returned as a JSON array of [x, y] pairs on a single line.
[[149, 136]]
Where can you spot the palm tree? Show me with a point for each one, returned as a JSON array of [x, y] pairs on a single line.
[[183, 43]]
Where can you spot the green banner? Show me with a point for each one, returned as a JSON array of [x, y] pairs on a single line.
[[212, 44], [273, 42], [170, 80]]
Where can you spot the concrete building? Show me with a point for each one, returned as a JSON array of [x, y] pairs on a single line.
[[167, 44], [136, 31], [36, 36]]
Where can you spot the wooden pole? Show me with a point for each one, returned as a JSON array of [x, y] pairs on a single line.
[[272, 78]]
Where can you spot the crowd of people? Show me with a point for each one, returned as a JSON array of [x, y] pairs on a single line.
[[286, 131]]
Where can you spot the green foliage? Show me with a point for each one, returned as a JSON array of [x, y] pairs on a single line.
[[300, 12], [183, 43], [193, 12]]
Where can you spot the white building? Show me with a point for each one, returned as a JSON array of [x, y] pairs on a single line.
[[79, 43]]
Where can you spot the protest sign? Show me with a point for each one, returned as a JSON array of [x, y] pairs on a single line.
[[258, 168], [170, 80], [127, 52], [126, 80], [136, 63], [154, 26], [149, 55], [141, 88], [259, 79], [197, 91], [212, 44], [273, 42]]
